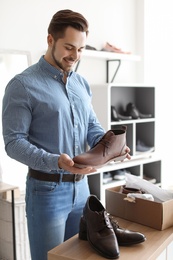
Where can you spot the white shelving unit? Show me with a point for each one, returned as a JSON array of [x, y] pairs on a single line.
[[119, 95], [144, 163]]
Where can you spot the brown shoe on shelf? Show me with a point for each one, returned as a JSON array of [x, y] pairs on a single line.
[[124, 236], [111, 147], [98, 229]]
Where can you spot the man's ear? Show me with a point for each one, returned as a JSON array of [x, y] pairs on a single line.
[[50, 40]]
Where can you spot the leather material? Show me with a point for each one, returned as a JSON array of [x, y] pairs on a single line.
[[127, 237], [111, 147], [124, 237], [42, 176], [131, 110], [99, 230], [115, 116]]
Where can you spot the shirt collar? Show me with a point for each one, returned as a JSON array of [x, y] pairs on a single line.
[[53, 72]]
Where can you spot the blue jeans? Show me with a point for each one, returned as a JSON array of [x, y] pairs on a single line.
[[53, 212]]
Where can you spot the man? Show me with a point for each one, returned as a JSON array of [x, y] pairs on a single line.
[[47, 120]]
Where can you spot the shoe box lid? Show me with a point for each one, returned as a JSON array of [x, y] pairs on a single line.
[[157, 215]]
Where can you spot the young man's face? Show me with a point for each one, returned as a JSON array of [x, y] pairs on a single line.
[[65, 52]]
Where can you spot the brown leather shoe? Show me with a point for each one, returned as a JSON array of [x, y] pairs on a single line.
[[125, 237], [98, 229], [111, 147]]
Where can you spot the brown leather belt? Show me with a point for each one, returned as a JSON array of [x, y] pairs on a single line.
[[42, 176]]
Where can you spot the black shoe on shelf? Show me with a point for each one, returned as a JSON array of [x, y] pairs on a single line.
[[131, 110], [115, 116]]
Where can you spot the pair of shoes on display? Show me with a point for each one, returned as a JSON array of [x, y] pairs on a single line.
[[103, 232], [131, 110], [141, 147], [111, 48], [111, 147], [115, 116], [117, 175], [120, 174]]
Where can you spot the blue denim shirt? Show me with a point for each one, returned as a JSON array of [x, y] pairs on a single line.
[[43, 117]]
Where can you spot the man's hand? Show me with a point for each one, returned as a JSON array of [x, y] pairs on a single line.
[[66, 163]]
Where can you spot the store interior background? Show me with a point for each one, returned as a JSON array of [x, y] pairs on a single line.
[[143, 27]]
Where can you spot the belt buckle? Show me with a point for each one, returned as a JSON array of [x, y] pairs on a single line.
[[78, 177]]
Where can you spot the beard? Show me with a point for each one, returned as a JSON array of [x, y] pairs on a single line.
[[55, 60], [58, 63]]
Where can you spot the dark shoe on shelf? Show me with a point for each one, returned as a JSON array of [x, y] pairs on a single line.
[[111, 147], [124, 236], [131, 110], [95, 225], [116, 116]]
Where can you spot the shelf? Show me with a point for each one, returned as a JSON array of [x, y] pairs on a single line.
[[143, 130], [108, 57], [150, 166]]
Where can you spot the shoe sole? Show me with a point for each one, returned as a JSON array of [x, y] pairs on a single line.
[[116, 159]]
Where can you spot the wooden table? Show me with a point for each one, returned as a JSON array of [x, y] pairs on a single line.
[[156, 243], [4, 187]]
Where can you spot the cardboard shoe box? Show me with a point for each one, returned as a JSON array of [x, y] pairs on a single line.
[[157, 215]]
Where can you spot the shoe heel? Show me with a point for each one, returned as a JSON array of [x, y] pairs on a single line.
[[82, 229]]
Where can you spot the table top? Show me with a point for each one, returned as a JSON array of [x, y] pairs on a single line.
[[6, 187], [156, 242]]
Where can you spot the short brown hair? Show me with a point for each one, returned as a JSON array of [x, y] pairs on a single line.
[[64, 18]]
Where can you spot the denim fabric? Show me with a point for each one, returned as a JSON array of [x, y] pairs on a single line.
[[51, 209]]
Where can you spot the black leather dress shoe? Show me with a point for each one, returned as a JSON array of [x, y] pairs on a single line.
[[116, 116], [124, 237], [98, 229], [131, 110]]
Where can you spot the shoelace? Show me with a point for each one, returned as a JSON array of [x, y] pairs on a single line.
[[105, 220], [106, 145]]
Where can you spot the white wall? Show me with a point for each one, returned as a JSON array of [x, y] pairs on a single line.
[[23, 26], [140, 26], [158, 68]]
